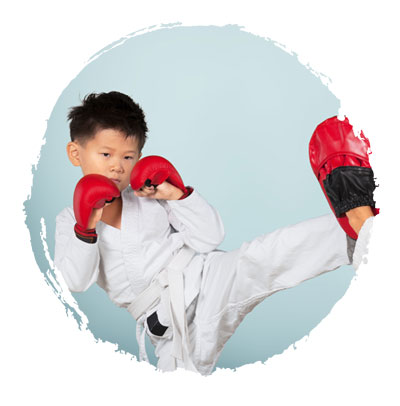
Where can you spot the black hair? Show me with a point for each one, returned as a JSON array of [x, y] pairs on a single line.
[[100, 111]]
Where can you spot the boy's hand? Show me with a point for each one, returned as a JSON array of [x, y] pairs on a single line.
[[95, 217], [164, 191], [91, 194], [155, 177]]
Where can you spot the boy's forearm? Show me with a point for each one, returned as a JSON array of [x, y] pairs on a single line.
[[79, 265], [199, 222], [78, 261]]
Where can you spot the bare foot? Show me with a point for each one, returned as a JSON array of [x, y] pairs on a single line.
[[357, 217]]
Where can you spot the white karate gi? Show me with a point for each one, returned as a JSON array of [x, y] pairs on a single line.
[[220, 287]]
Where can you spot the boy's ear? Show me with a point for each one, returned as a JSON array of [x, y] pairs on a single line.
[[73, 153]]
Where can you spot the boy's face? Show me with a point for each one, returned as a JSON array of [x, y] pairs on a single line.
[[108, 153]]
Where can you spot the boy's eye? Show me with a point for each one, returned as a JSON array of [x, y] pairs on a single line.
[[106, 154], [129, 157]]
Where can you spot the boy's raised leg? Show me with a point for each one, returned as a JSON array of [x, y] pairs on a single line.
[[358, 216]]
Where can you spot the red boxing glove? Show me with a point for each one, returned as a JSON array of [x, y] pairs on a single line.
[[153, 170], [340, 162], [91, 192]]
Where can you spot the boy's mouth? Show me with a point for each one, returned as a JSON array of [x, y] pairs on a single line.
[[116, 181]]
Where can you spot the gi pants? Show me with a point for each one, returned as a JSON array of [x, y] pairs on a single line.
[[234, 282]]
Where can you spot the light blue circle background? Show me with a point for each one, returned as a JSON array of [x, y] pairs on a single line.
[[234, 113]]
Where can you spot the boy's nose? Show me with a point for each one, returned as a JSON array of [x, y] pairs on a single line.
[[117, 167]]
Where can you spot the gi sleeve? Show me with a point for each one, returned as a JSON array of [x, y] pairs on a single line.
[[198, 222], [77, 260]]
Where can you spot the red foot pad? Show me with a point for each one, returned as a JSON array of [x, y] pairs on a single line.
[[340, 162]]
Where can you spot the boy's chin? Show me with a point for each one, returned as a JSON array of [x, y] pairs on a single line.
[[122, 187]]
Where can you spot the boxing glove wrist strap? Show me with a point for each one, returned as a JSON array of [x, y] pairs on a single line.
[[87, 235], [188, 192]]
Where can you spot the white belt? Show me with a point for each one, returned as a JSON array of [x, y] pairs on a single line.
[[169, 279]]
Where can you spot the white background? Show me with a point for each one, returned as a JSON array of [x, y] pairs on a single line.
[[352, 357]]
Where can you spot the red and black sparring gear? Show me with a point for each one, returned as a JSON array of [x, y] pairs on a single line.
[[153, 170], [340, 162], [91, 192]]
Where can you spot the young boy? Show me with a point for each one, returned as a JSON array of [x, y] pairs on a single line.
[[153, 249]]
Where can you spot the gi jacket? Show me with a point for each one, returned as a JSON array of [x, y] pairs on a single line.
[[124, 261]]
